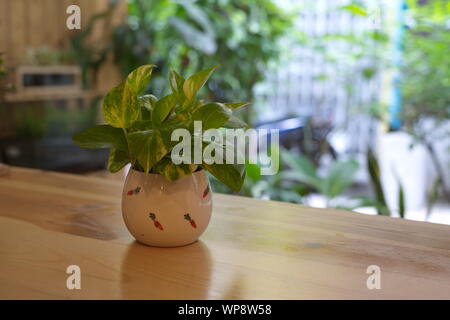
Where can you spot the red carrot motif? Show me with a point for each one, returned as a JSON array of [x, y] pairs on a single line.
[[191, 221], [156, 222], [134, 191], [206, 192], [158, 225]]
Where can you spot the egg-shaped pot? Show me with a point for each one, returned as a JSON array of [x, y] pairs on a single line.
[[164, 213]]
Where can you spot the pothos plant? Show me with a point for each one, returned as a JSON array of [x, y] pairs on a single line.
[[139, 127]]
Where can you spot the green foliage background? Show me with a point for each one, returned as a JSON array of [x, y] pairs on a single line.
[[243, 36], [426, 66]]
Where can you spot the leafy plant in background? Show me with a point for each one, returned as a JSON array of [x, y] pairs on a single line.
[[26, 125], [303, 178], [246, 36], [273, 187], [361, 57], [299, 177], [191, 35], [426, 83], [334, 182], [375, 178], [40, 121], [45, 56], [91, 55], [64, 122], [139, 126]]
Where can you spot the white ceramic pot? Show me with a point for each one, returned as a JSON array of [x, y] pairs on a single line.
[[161, 213], [410, 167]]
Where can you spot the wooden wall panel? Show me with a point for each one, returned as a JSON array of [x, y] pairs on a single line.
[[3, 14], [16, 33], [35, 15], [34, 23]]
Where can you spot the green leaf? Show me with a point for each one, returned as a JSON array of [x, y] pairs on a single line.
[[149, 146], [176, 83], [355, 9], [179, 120], [212, 115], [163, 108], [339, 177], [236, 105], [253, 171], [235, 123], [146, 114], [171, 171], [303, 170], [230, 175], [147, 103], [433, 195], [117, 160], [139, 78], [357, 202], [375, 179], [120, 107], [368, 73], [101, 136], [195, 82], [290, 196], [141, 125], [401, 201], [204, 42]]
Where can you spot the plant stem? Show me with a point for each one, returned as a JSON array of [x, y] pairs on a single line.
[[128, 146]]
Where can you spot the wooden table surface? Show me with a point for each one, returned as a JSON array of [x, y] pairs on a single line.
[[253, 249]]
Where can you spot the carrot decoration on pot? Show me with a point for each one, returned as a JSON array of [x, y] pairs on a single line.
[[134, 191], [192, 222], [206, 192], [156, 222]]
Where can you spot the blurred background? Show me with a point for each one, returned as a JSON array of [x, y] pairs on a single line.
[[360, 90]]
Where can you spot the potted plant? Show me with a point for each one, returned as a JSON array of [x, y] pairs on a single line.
[[163, 203]]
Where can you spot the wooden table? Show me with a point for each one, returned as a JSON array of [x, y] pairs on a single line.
[[253, 249]]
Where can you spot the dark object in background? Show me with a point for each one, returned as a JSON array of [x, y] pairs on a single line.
[[38, 134], [305, 135], [46, 82], [59, 154], [51, 79]]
